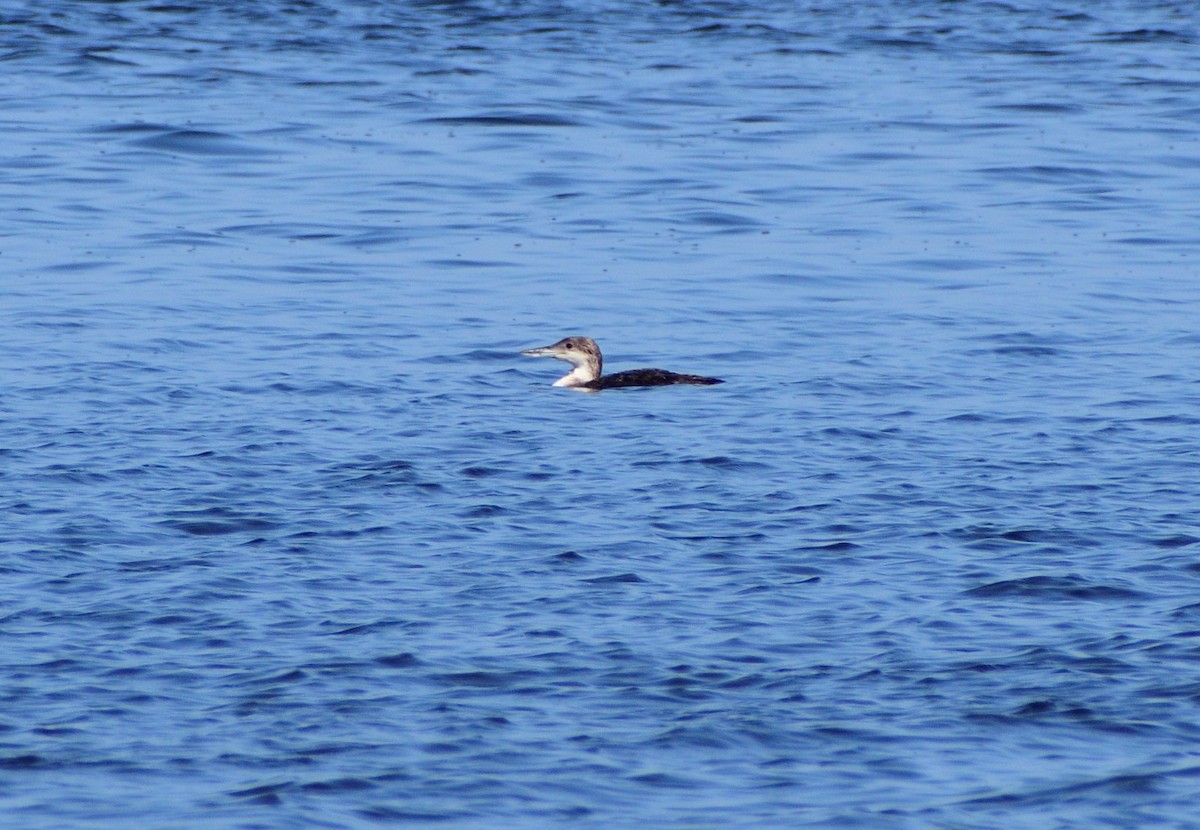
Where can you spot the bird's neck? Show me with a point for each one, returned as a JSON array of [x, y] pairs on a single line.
[[581, 374]]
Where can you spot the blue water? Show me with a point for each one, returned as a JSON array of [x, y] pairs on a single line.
[[290, 536]]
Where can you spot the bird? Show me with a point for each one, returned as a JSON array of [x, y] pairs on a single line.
[[584, 355]]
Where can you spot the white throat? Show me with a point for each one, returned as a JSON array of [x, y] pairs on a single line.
[[577, 377]]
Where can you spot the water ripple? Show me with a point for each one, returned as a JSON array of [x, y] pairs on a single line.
[[291, 534]]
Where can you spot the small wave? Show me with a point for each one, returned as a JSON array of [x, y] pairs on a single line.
[[1039, 107], [1180, 541], [1145, 36], [616, 579], [403, 660], [1044, 173], [1027, 351], [484, 679], [1069, 587], [718, 219], [218, 521], [130, 127], [520, 120], [198, 142]]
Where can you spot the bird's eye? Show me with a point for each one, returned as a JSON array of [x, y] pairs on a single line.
[[570, 345]]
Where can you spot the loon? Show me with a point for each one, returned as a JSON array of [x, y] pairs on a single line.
[[584, 355]]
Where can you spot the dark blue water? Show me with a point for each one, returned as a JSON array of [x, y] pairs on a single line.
[[290, 536]]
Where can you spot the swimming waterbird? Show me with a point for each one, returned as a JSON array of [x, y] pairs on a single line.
[[584, 355]]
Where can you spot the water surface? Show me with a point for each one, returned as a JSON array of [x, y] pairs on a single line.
[[291, 536]]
